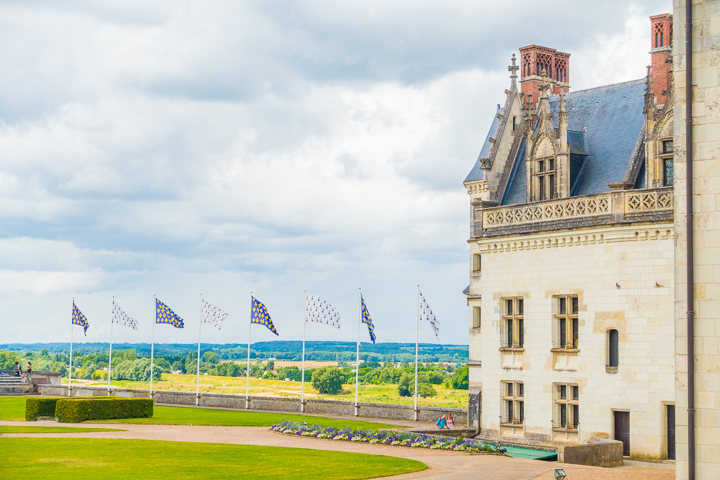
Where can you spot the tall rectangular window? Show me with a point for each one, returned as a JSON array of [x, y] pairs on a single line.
[[666, 157], [477, 262], [545, 173], [566, 414], [476, 317], [513, 403], [513, 335], [566, 324]]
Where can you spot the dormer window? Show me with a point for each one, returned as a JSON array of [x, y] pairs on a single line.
[[545, 174]]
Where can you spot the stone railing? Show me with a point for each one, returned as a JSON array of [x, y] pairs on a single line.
[[613, 207]]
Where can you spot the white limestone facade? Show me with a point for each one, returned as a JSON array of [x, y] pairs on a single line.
[[623, 280]]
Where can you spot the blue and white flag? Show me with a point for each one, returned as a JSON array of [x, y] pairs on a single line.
[[320, 311], [260, 315], [212, 314], [119, 316], [367, 320], [164, 315], [79, 319], [426, 315]]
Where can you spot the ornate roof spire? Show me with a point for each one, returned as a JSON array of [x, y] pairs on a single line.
[[513, 69], [545, 86]]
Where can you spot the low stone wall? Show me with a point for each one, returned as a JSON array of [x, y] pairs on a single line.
[[598, 452], [274, 404]]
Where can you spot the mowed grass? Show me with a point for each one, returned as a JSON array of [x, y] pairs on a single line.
[[24, 429], [12, 409], [109, 459], [207, 416]]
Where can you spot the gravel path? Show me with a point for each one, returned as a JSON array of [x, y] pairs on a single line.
[[443, 464]]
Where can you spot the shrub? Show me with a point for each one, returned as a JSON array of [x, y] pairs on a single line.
[[328, 380], [39, 407], [426, 390], [76, 410]]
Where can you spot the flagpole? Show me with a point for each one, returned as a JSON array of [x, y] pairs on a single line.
[[197, 389], [302, 392], [417, 342], [71, 345], [247, 375], [110, 359], [357, 361], [152, 350]]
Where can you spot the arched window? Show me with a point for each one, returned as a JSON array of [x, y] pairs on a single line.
[[613, 349]]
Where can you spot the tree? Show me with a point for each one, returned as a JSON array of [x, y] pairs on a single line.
[[460, 380], [210, 357], [328, 380], [406, 385], [256, 370], [426, 390], [270, 365]]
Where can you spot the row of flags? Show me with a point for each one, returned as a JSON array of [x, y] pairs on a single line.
[[317, 310]]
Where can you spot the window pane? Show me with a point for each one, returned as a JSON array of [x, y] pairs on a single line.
[[576, 392], [521, 390], [668, 146], [521, 333], [576, 416], [668, 174], [509, 307], [563, 392], [563, 415], [509, 333], [551, 164], [575, 305], [563, 333], [510, 389], [520, 306], [510, 411], [563, 306], [542, 188], [521, 408], [613, 355], [541, 166], [575, 334], [551, 186]]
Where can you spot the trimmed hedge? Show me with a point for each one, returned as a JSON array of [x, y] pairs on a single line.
[[76, 410], [40, 407]]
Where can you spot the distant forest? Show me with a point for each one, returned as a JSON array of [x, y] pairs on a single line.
[[281, 350]]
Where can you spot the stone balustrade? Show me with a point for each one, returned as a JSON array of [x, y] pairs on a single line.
[[616, 206]]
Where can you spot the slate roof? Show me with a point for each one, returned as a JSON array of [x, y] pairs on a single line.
[[603, 127], [476, 173]]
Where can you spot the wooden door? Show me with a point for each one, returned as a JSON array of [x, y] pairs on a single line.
[[622, 430], [671, 432]]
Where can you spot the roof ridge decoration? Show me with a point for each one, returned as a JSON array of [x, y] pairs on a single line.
[[487, 163]]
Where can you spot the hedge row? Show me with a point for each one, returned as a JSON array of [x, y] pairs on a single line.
[[39, 407], [76, 410]]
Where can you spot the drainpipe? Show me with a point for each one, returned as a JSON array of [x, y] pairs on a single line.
[[689, 233]]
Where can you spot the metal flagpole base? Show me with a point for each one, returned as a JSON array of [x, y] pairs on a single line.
[[357, 410], [416, 414], [247, 403], [302, 406], [197, 399]]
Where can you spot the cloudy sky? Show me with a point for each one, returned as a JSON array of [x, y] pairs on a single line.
[[176, 147]]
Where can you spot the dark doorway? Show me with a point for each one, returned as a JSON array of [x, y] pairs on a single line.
[[671, 432], [622, 430]]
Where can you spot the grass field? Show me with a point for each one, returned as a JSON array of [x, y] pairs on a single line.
[[109, 459], [206, 416], [13, 408], [24, 429], [281, 388]]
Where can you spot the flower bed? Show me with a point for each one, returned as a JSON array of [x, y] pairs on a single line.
[[385, 437]]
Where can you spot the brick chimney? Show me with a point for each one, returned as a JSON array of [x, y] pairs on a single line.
[[533, 60], [661, 35]]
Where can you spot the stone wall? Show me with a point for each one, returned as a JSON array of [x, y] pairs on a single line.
[[706, 230], [274, 404], [598, 452]]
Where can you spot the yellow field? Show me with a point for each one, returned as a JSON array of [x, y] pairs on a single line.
[[281, 388]]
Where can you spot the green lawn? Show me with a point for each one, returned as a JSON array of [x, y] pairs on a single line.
[[206, 416], [24, 429], [107, 459], [12, 408]]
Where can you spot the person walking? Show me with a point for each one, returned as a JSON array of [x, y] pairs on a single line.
[[18, 370]]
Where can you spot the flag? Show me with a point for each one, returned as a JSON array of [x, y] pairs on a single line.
[[79, 319], [260, 315], [318, 310], [212, 314], [164, 315], [426, 314], [367, 320], [119, 316]]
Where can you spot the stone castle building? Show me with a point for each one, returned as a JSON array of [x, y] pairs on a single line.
[[572, 245]]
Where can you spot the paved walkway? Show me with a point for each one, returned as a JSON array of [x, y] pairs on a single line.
[[443, 464]]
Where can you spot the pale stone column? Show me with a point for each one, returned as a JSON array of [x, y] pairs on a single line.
[[706, 226]]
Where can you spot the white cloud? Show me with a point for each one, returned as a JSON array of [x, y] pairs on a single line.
[[181, 147]]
